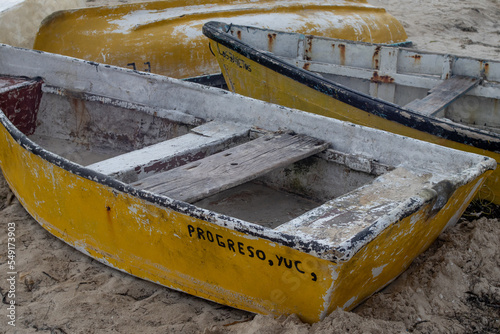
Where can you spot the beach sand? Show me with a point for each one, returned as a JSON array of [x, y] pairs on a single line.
[[454, 287]]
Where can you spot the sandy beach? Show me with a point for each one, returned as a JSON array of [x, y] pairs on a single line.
[[454, 287]]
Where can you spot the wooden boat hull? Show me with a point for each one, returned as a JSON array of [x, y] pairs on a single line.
[[212, 255], [195, 256], [259, 74], [165, 37]]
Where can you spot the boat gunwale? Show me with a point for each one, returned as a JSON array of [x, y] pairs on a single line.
[[481, 139]]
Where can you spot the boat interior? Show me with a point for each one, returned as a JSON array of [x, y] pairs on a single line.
[[226, 167], [457, 89]]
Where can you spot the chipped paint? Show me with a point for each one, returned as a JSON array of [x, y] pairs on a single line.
[[329, 293], [348, 304], [377, 271]]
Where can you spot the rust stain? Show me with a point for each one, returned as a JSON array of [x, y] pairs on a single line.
[[381, 78], [82, 115], [486, 69], [270, 41], [306, 66], [376, 58], [238, 34], [308, 48], [342, 53], [82, 131], [417, 58]]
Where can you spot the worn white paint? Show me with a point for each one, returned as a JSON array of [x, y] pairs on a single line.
[[349, 302], [141, 18], [457, 215], [377, 271], [327, 297]]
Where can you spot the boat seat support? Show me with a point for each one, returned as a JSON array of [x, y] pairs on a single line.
[[232, 167]]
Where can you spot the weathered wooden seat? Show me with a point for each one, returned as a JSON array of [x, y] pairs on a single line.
[[206, 139], [443, 94], [231, 167]]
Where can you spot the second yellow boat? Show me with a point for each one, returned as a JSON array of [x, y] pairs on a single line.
[[165, 37], [443, 99]]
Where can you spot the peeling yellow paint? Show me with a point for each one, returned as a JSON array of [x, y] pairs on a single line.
[[167, 34], [102, 222]]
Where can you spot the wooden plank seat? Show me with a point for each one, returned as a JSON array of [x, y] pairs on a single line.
[[232, 167], [443, 94], [206, 139]]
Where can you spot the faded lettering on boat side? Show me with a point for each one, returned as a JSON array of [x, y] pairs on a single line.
[[234, 59], [148, 69], [240, 248]]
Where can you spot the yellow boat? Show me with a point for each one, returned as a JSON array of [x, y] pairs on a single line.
[[444, 99], [249, 204], [164, 37]]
